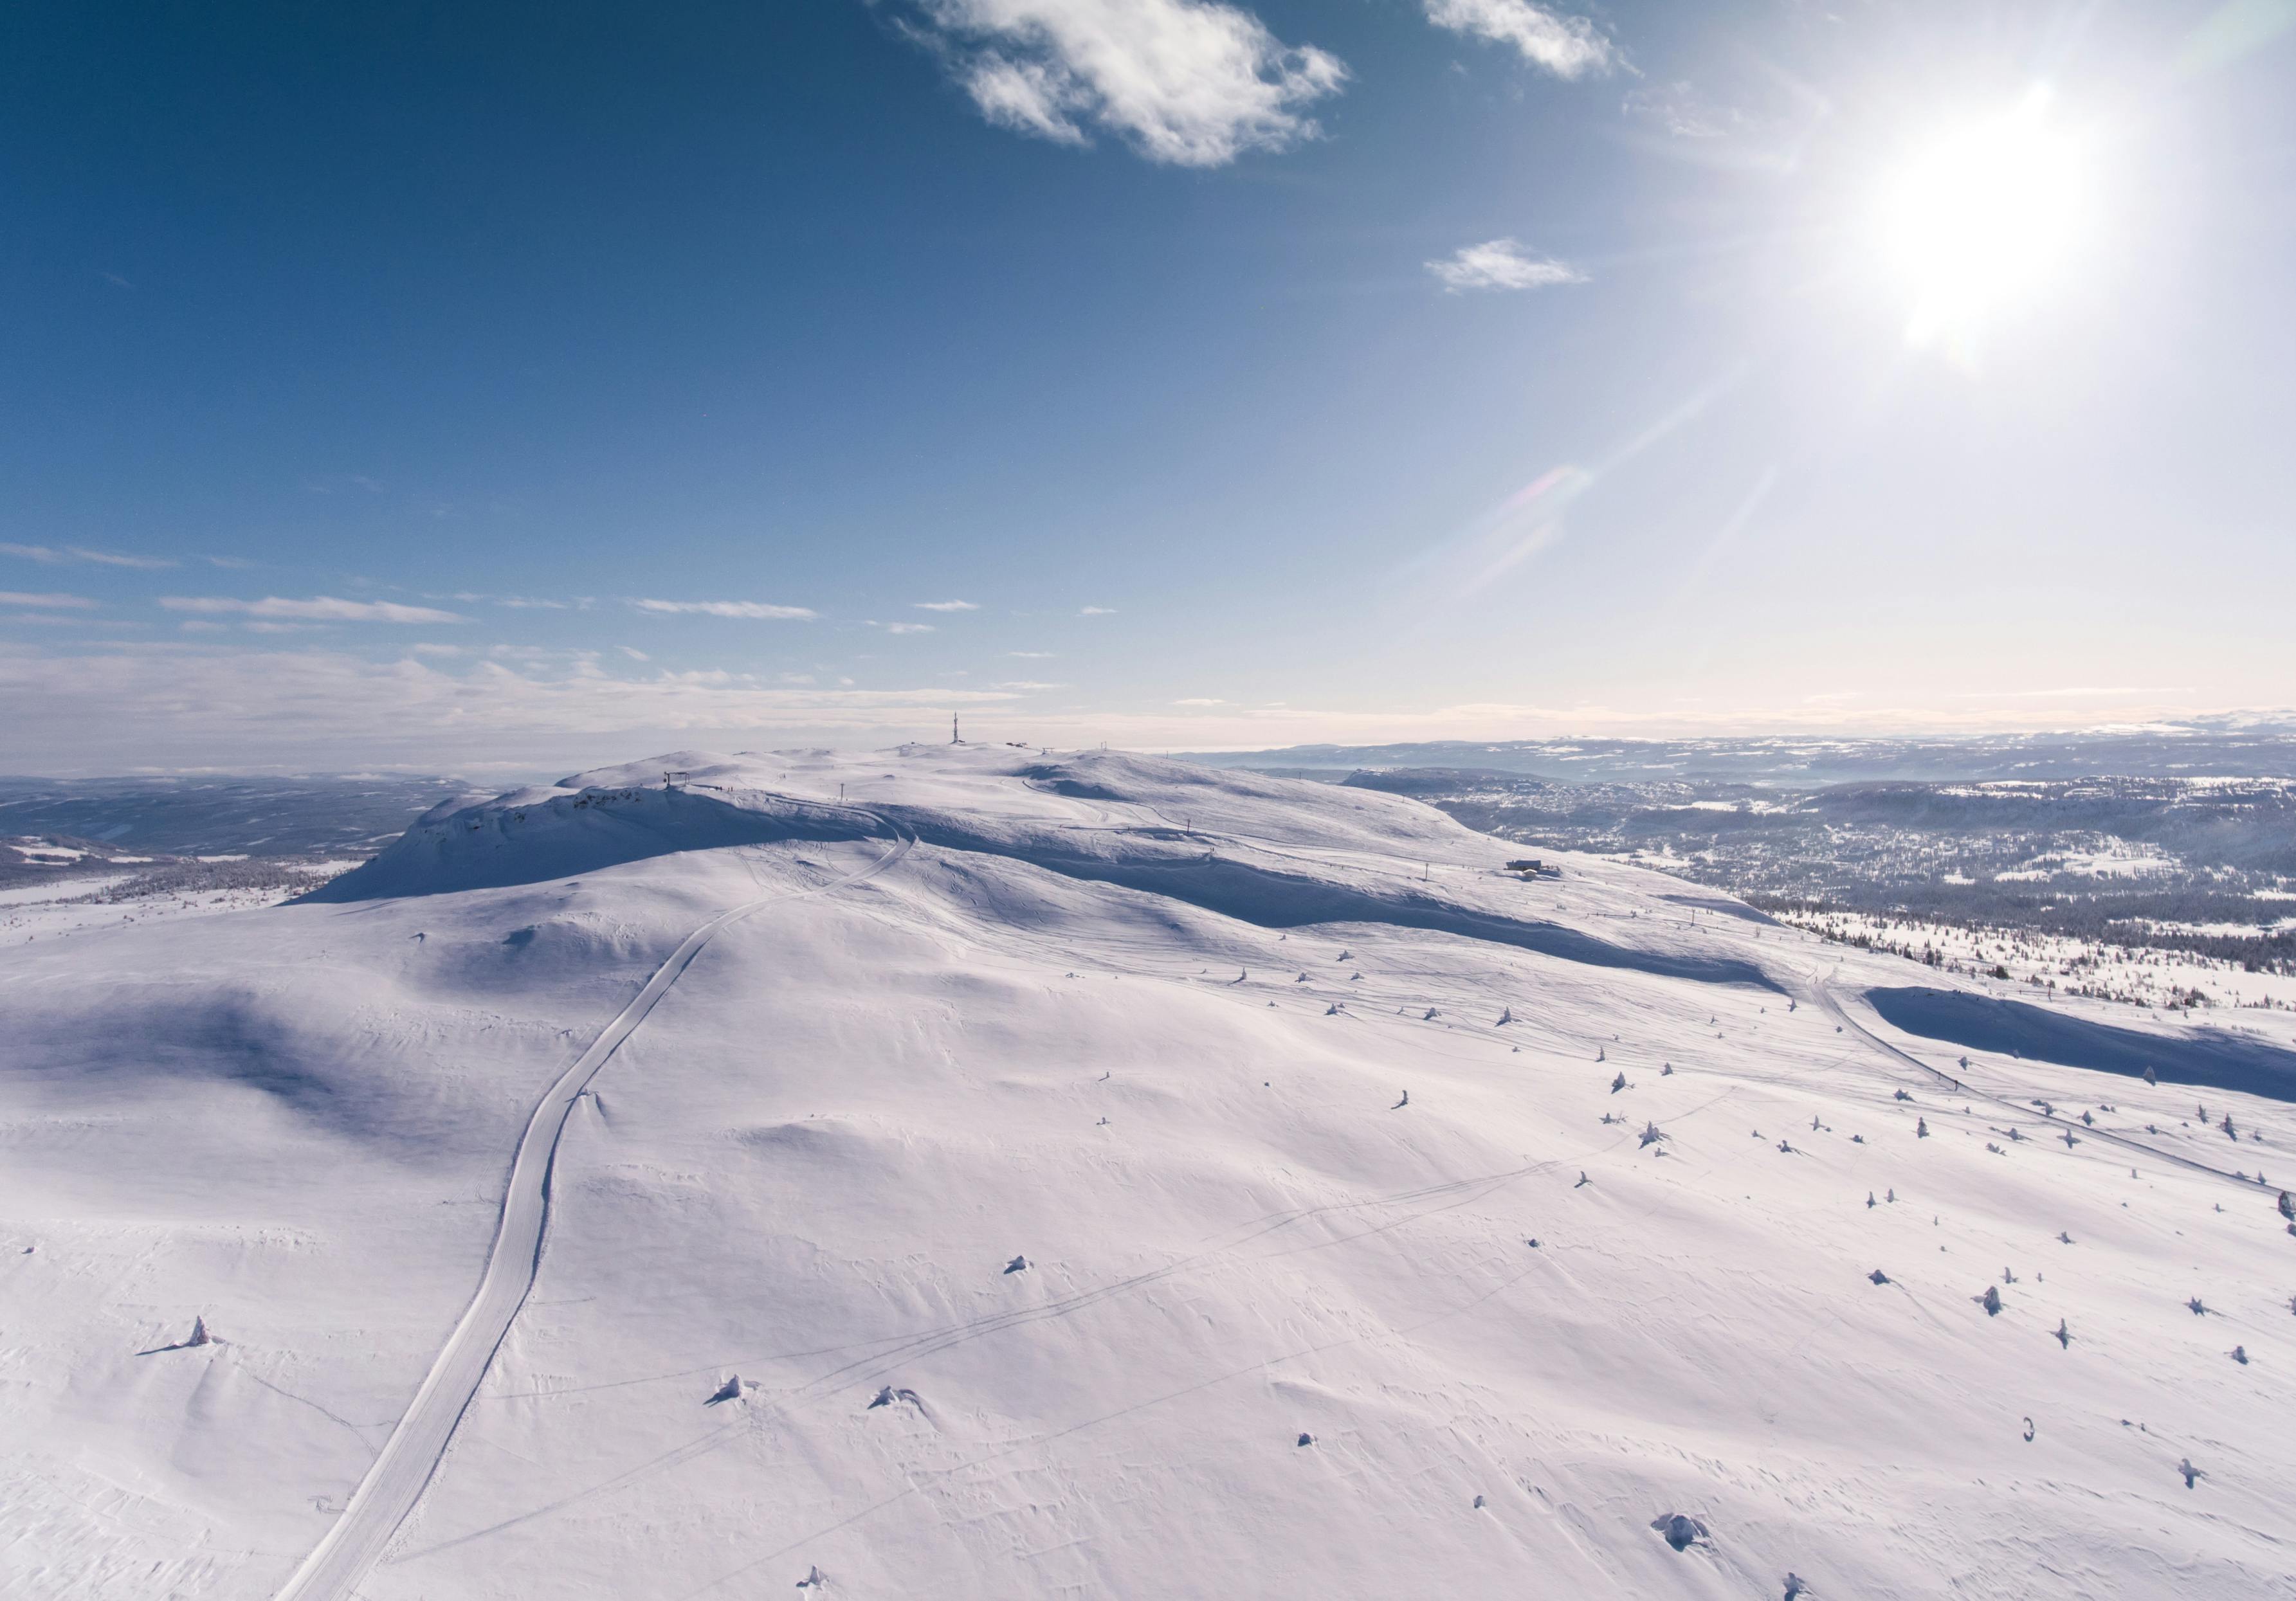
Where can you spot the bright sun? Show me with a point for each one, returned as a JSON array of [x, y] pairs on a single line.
[[1983, 218]]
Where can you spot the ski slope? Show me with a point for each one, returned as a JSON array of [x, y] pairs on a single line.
[[964, 1171]]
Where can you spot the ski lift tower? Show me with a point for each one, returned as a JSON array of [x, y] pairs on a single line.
[[953, 738]]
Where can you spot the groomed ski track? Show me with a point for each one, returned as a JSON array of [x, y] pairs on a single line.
[[396, 1480]]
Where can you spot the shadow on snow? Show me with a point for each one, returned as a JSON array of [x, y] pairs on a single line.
[[2215, 1060]]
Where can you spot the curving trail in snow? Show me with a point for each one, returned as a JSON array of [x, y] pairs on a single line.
[[399, 1474], [1822, 990]]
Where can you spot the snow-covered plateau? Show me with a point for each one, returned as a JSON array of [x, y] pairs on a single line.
[[966, 1172]]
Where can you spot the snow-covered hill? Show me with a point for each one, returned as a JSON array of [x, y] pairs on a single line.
[[1091, 1175]]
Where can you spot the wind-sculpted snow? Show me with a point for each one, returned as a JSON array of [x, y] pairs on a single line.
[[534, 834], [1150, 1182], [1270, 899], [2208, 1057]]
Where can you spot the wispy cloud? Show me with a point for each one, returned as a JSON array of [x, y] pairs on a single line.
[[528, 603], [1501, 263], [1681, 110], [319, 608], [11, 597], [95, 710], [115, 559], [2079, 693], [1566, 46], [756, 610], [1194, 83], [1097, 611], [632, 653], [1027, 685], [72, 552], [1198, 700], [901, 628], [1030, 655], [946, 606], [234, 562], [1533, 518]]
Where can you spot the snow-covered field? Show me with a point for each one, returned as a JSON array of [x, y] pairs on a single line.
[[1096, 1176]]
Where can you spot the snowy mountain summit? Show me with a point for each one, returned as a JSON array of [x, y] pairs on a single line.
[[972, 1172]]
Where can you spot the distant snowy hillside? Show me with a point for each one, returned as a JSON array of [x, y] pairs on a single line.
[[961, 1172]]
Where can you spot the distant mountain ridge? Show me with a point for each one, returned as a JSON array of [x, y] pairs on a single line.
[[2249, 745]]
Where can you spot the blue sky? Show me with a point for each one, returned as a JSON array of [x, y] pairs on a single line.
[[503, 385]]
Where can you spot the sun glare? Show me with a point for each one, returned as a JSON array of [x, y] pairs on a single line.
[[1981, 219]]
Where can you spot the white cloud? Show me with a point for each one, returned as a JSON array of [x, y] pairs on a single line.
[[320, 608], [10, 597], [1566, 46], [1027, 685], [756, 609], [528, 603], [634, 653], [50, 553], [797, 678], [202, 625], [902, 628], [227, 561], [1501, 263], [1197, 700], [1195, 82], [260, 626], [1097, 611], [946, 606], [1030, 655], [1025, 96], [425, 649]]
